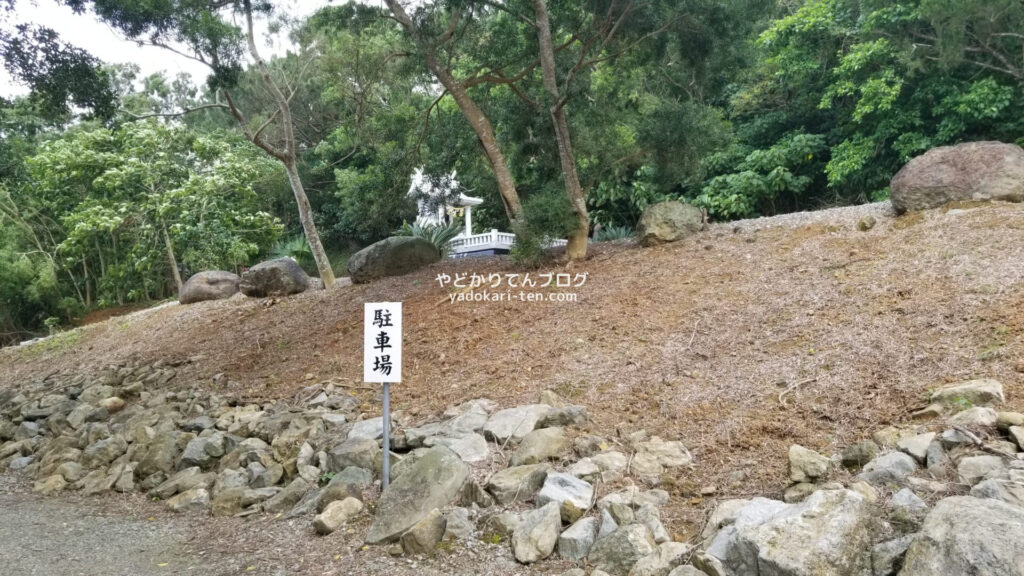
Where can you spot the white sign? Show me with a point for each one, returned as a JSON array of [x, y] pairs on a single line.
[[382, 342]]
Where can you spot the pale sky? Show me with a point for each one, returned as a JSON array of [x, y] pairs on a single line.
[[105, 43]]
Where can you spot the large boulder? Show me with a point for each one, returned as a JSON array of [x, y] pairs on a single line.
[[974, 392], [434, 481], [663, 560], [203, 451], [336, 514], [195, 500], [392, 256], [668, 222], [289, 497], [1009, 491], [888, 468], [187, 479], [966, 535], [806, 465], [825, 535], [576, 541], [279, 277], [209, 285], [425, 535], [972, 171], [469, 447], [358, 452], [974, 469], [234, 500]]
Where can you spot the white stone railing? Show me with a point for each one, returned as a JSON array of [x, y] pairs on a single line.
[[492, 240]]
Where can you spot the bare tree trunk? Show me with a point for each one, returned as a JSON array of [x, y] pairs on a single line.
[[476, 117], [88, 291], [485, 132], [288, 156], [308, 225], [99, 252], [171, 258], [577, 248], [117, 286]]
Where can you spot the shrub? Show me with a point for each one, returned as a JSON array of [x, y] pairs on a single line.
[[547, 216], [296, 248], [440, 236], [609, 233]]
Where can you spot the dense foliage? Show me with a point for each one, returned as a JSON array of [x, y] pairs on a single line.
[[848, 91], [744, 107], [104, 216]]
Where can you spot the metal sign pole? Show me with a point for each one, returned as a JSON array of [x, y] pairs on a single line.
[[382, 363], [386, 465]]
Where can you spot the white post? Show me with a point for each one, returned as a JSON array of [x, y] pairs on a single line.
[[469, 221], [494, 237]]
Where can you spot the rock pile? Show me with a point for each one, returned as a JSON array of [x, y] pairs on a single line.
[[122, 431], [913, 500], [880, 523]]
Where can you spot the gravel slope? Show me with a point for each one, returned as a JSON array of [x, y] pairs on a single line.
[[738, 341]]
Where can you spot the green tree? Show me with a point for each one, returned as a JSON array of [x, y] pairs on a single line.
[[207, 29], [433, 28], [124, 210], [878, 83]]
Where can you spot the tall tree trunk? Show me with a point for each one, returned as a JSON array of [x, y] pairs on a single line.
[[476, 117], [99, 252], [117, 285], [577, 248], [485, 132], [288, 156], [170, 257], [88, 291], [323, 265]]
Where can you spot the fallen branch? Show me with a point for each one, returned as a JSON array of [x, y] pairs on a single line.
[[794, 387], [693, 335], [978, 443], [834, 267]]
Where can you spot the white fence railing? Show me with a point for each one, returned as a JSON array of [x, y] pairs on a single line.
[[492, 240]]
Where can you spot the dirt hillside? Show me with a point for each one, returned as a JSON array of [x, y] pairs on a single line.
[[739, 341]]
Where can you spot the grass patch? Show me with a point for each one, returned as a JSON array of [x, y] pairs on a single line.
[[57, 343], [908, 220]]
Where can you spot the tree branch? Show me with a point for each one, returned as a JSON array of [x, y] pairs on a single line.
[[198, 57], [426, 121], [453, 23], [253, 137], [176, 114], [265, 124], [509, 11], [581, 64], [288, 155]]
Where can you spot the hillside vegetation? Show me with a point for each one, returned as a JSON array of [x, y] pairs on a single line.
[[115, 186], [739, 341]]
